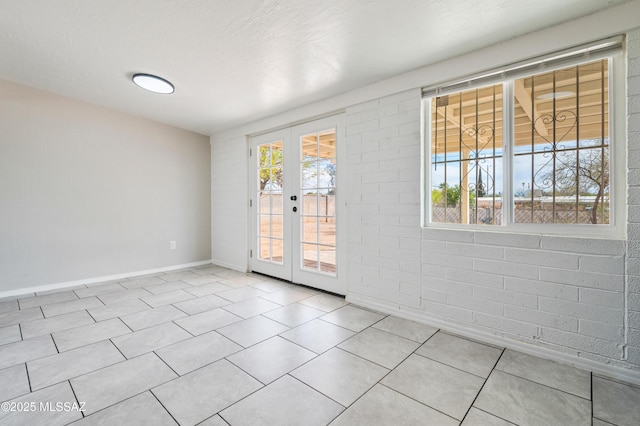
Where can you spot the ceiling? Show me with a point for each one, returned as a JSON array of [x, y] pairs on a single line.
[[234, 62]]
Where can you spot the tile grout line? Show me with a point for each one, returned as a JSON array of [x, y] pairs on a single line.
[[160, 402], [419, 402], [26, 367], [92, 317], [121, 401], [126, 325], [181, 327], [542, 384], [368, 360], [93, 343], [591, 391], [323, 394], [483, 385], [167, 364], [491, 414], [264, 385], [451, 366], [233, 403], [118, 349], [75, 396], [181, 310], [55, 345], [20, 330], [290, 327]]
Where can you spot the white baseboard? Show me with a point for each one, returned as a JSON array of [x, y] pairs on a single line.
[[94, 280], [629, 376], [240, 268]]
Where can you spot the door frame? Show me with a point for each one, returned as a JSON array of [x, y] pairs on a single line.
[[291, 186]]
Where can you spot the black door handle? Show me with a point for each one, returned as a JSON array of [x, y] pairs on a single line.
[[294, 198], [295, 209]]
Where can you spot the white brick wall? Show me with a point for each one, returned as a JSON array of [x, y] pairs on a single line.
[[633, 180], [576, 296], [526, 289], [384, 200]]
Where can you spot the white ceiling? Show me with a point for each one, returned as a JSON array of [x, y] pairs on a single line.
[[234, 62]]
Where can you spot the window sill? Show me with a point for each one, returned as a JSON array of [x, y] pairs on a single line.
[[605, 232]]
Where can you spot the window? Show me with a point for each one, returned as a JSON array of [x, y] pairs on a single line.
[[534, 149], [466, 156]]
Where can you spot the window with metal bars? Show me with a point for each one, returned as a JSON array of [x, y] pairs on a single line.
[[533, 149], [466, 156], [561, 146]]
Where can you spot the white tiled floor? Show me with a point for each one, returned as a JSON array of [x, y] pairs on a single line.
[[213, 346]]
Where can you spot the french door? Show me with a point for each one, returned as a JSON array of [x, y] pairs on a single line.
[[297, 206]]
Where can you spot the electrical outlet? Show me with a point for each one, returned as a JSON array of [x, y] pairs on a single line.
[[172, 245]]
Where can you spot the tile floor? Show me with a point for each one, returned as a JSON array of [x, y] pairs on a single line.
[[212, 346]]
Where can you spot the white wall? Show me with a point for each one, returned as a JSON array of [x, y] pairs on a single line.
[[572, 299], [86, 192], [633, 199], [229, 222]]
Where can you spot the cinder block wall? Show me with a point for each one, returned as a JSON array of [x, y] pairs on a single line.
[[633, 208], [383, 155], [575, 296]]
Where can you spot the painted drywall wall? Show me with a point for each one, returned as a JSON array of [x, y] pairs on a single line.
[[87, 192], [229, 222]]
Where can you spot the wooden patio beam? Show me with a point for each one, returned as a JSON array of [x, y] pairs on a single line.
[[524, 99], [457, 121]]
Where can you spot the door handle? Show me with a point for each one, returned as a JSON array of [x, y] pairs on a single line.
[[293, 198], [295, 209]]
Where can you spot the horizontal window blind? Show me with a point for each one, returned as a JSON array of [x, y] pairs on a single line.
[[592, 51]]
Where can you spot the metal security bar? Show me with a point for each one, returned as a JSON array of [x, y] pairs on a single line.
[[466, 160], [561, 146]]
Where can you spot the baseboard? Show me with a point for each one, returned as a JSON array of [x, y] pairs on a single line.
[[95, 280], [224, 264], [624, 375]]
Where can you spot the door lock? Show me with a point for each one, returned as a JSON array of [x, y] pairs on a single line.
[[295, 209], [294, 198]]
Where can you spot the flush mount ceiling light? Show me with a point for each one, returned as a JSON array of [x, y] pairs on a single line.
[[555, 95], [153, 83]]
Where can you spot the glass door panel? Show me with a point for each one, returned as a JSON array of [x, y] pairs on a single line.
[[270, 210], [318, 191]]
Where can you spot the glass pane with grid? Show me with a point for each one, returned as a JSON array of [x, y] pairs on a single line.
[[466, 157], [318, 189], [270, 233], [561, 146]]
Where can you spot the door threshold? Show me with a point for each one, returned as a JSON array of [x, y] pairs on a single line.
[[298, 284]]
